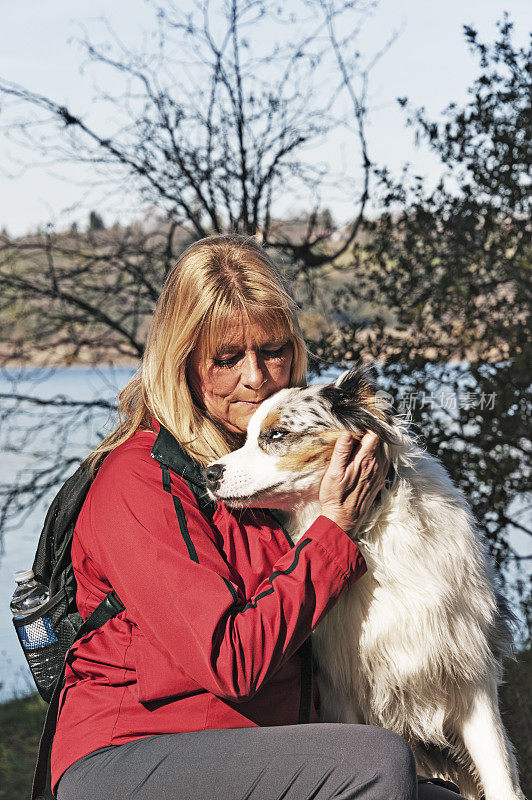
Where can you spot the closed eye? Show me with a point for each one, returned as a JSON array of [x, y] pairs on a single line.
[[226, 362], [231, 361], [273, 353]]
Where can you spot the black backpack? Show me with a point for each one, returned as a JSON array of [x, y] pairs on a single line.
[[58, 621]]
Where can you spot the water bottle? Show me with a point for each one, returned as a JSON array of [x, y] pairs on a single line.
[[28, 596], [37, 634]]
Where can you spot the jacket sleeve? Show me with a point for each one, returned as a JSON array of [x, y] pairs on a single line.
[[160, 554]]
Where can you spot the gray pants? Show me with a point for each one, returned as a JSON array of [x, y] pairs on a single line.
[[296, 762]]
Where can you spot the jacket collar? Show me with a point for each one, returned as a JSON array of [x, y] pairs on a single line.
[[167, 451]]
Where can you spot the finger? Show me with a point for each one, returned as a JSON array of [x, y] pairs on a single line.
[[369, 443], [363, 494], [366, 472], [341, 453], [366, 454]]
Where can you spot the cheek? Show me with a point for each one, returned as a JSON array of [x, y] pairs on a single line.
[[218, 387], [306, 459], [310, 454], [280, 373]]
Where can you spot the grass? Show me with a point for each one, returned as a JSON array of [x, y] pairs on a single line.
[[21, 721]]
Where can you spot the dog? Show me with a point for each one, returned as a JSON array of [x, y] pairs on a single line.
[[416, 645]]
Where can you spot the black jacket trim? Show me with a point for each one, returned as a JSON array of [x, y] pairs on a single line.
[[275, 574], [183, 527], [281, 526], [234, 593], [166, 450]]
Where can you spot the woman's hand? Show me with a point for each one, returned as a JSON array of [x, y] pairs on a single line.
[[351, 482]]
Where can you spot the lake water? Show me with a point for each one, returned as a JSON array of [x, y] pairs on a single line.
[[23, 444]]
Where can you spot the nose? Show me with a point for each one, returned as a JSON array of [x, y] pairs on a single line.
[[253, 374], [213, 476]]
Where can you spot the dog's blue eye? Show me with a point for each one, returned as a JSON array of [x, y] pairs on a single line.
[[274, 435]]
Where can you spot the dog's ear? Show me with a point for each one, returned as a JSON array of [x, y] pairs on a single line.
[[356, 383], [352, 402], [351, 390]]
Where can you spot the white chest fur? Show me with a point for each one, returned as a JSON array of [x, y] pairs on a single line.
[[395, 640]]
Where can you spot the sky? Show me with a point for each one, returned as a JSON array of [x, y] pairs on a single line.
[[429, 63]]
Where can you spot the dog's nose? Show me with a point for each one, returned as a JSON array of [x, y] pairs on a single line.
[[213, 476]]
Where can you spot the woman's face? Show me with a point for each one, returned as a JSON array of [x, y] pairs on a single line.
[[248, 366]]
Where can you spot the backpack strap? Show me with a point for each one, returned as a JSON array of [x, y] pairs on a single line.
[[53, 550], [110, 606]]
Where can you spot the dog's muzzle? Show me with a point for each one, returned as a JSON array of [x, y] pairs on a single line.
[[213, 476]]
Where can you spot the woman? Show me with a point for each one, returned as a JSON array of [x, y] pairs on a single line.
[[199, 689]]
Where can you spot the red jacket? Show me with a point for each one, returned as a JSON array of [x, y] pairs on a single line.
[[215, 611]]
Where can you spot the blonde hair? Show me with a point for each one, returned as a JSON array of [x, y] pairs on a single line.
[[216, 281]]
